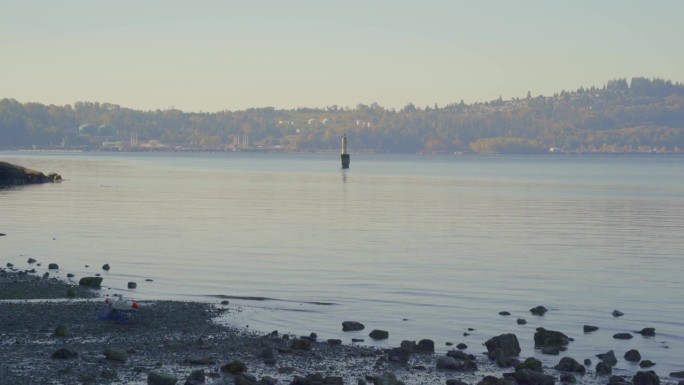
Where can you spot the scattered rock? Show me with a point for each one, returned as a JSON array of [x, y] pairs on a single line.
[[234, 367], [426, 346], [677, 374], [196, 377], [603, 369], [90, 281], [646, 364], [400, 355], [504, 313], [200, 361], [334, 341], [530, 377], [647, 332], [622, 336], [530, 363], [64, 353], [70, 275], [587, 362], [491, 380], [569, 364], [61, 330], [453, 381], [352, 326], [608, 358], [521, 321], [105, 267], [646, 378], [508, 343], [568, 378], [301, 344], [53, 266], [155, 378], [618, 380], [410, 345], [539, 310], [633, 356], [115, 354], [31, 260], [358, 340], [132, 285], [461, 346], [108, 374], [549, 338], [617, 313], [450, 363], [226, 302], [589, 328], [379, 334]]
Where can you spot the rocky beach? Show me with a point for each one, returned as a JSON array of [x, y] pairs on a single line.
[[50, 333]]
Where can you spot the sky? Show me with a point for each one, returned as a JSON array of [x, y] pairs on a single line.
[[232, 55]]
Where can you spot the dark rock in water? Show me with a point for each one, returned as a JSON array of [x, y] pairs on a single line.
[[646, 378], [647, 332], [569, 364], [617, 380], [53, 266], [633, 355], [70, 275], [459, 355], [334, 341], [132, 285], [549, 338], [226, 302], [386, 379], [589, 328], [379, 334], [677, 374], [504, 313], [568, 378], [587, 362], [149, 280], [617, 313], [196, 377], [400, 355], [508, 343], [105, 267], [551, 351], [491, 380], [245, 379], [155, 378], [358, 340], [646, 364], [313, 337], [9, 265], [61, 330], [352, 326], [31, 260], [90, 281], [14, 175], [301, 344], [530, 363], [448, 343], [46, 275], [461, 346], [64, 353], [608, 358], [622, 336], [267, 353], [539, 310], [427, 346], [530, 377], [115, 354], [234, 367], [521, 321], [603, 369]]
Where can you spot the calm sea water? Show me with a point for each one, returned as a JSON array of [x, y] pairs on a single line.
[[421, 246]]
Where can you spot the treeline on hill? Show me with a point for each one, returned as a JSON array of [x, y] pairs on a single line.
[[639, 115]]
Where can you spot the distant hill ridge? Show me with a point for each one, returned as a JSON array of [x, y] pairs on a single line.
[[640, 115]]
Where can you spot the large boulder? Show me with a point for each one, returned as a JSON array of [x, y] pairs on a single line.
[[15, 175], [508, 343], [646, 378], [352, 326], [569, 364], [549, 338]]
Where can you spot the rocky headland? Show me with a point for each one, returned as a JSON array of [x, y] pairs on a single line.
[[15, 175]]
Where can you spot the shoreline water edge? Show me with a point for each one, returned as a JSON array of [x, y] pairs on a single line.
[[50, 333]]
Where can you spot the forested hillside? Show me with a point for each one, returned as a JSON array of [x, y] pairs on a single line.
[[637, 115]]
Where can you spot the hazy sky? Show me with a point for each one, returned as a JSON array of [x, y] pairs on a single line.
[[231, 55]]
